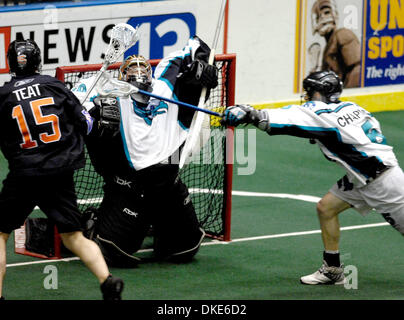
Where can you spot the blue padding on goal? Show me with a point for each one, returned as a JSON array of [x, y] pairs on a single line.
[[68, 4]]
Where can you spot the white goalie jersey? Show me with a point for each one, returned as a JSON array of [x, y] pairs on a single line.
[[152, 134], [345, 133]]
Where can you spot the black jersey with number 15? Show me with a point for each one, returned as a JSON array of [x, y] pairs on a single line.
[[41, 126]]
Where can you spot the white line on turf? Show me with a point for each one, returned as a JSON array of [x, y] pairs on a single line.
[[277, 195], [214, 242], [234, 193], [293, 234]]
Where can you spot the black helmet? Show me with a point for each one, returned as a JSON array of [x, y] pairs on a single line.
[[327, 83], [24, 57]]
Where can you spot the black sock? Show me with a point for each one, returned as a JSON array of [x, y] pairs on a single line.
[[332, 258]]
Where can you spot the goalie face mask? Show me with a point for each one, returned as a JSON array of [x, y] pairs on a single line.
[[327, 83], [137, 71], [24, 57]]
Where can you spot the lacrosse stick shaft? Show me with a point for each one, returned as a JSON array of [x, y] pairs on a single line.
[[197, 122], [184, 104], [97, 78]]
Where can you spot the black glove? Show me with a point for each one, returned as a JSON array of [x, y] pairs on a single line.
[[110, 116], [202, 73]]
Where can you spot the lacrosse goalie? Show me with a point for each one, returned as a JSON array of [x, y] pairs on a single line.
[[135, 147]]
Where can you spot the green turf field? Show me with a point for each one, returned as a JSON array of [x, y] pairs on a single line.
[[270, 249]]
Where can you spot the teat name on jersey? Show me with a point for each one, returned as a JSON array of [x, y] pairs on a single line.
[[349, 117], [27, 92]]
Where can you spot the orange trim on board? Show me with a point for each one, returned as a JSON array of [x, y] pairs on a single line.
[[363, 45], [304, 44], [296, 86]]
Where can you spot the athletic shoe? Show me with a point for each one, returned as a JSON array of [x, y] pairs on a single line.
[[111, 288], [325, 275]]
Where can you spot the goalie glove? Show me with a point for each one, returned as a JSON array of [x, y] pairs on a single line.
[[109, 115], [244, 113], [201, 73]]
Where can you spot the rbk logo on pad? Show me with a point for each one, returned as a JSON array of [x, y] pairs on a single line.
[[162, 34]]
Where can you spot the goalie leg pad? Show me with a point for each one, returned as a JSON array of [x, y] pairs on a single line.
[[122, 218], [188, 254], [114, 256], [178, 235]]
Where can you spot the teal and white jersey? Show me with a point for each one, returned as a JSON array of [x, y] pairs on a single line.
[[152, 134], [345, 133], [80, 91]]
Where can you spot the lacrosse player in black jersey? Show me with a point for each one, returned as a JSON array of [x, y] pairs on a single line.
[[42, 125], [135, 147]]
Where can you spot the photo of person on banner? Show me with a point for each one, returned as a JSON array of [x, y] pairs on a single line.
[[342, 50]]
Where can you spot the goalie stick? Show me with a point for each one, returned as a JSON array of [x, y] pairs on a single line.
[[123, 36], [197, 122]]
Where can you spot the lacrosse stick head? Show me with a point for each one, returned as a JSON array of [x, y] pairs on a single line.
[[314, 52], [123, 36]]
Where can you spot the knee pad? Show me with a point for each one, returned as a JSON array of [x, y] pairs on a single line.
[[178, 249]]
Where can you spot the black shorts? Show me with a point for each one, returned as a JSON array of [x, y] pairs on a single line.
[[54, 195]]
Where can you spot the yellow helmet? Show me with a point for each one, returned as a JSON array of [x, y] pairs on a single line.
[[137, 71], [135, 65]]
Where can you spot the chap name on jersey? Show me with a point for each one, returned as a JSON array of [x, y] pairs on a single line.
[[27, 92], [349, 117]]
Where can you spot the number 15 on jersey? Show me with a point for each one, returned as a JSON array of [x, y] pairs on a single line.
[[40, 119]]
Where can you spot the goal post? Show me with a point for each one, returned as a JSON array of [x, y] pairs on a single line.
[[208, 177]]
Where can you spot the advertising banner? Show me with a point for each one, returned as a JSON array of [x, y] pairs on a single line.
[[80, 35], [360, 40], [384, 48]]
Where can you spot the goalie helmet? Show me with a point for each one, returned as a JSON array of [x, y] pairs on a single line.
[[324, 16], [24, 57], [137, 71], [327, 83]]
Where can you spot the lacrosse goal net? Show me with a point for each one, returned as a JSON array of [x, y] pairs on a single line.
[[208, 176]]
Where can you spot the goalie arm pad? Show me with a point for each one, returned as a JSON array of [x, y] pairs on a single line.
[[201, 73], [244, 113], [195, 69]]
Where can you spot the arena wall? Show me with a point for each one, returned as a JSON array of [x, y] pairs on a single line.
[[270, 39]]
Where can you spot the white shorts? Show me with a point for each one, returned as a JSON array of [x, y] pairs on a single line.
[[385, 194]]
